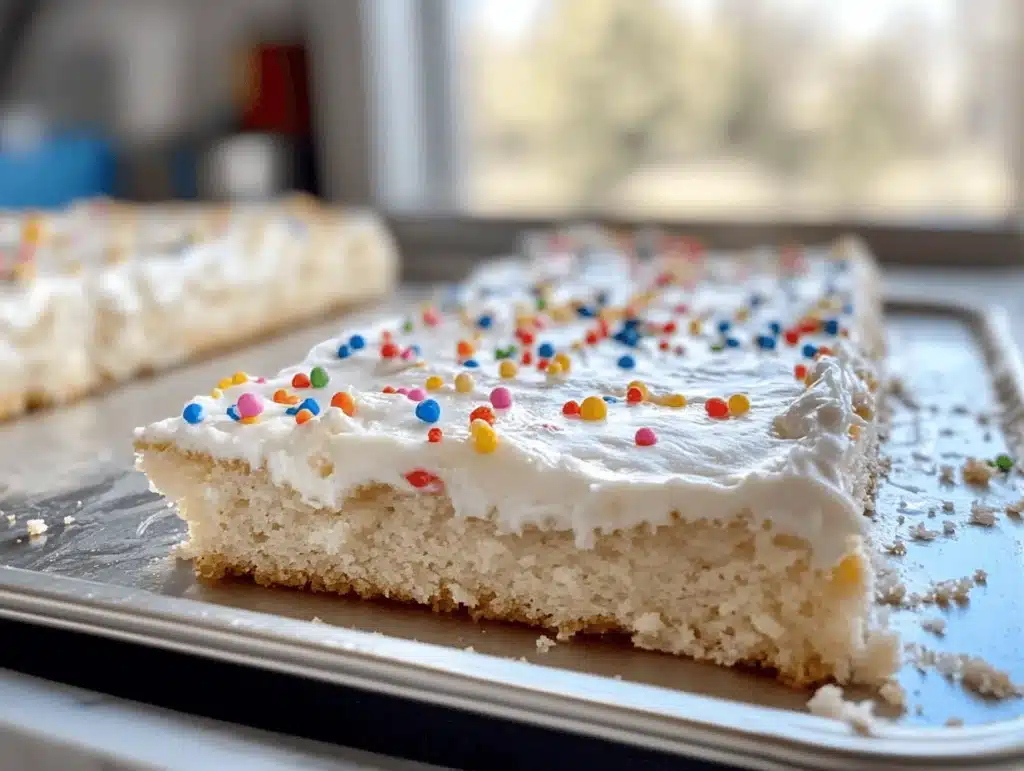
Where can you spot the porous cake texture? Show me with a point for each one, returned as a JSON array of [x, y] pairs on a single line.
[[104, 292], [678, 448]]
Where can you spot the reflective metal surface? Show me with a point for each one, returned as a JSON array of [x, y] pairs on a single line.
[[76, 463]]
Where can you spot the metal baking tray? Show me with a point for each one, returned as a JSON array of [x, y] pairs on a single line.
[[106, 570]]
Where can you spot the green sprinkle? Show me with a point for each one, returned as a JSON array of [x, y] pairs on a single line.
[[1004, 462], [407, 325], [318, 377], [541, 303], [716, 347]]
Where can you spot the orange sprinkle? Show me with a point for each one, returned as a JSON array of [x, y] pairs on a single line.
[[344, 400], [465, 349], [280, 396], [249, 419], [302, 416], [823, 351], [571, 409], [388, 390], [301, 380], [483, 412]]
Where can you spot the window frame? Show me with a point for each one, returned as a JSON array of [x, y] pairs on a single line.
[[379, 137]]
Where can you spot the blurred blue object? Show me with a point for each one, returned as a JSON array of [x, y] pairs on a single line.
[[56, 172]]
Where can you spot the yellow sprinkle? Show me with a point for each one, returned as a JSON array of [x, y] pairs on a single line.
[[216, 393], [594, 408], [854, 431], [554, 370], [561, 314], [695, 326], [640, 384], [742, 314], [250, 419], [434, 382], [864, 412], [678, 401], [485, 438], [507, 369], [739, 404], [463, 383], [224, 382], [562, 360], [239, 377]]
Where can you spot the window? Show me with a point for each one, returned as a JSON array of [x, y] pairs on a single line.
[[864, 110]]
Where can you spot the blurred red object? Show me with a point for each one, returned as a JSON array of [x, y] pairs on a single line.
[[277, 98]]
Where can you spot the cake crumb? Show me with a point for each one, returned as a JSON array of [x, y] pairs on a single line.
[[974, 673], [545, 643], [980, 577], [921, 533], [1015, 509], [948, 506], [948, 526], [937, 626], [892, 693], [36, 527], [954, 722], [982, 515], [952, 590], [919, 709], [828, 702], [897, 548], [69, 520], [946, 474], [977, 472]]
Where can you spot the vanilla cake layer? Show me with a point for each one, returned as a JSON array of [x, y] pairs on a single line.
[[734, 537], [108, 292]]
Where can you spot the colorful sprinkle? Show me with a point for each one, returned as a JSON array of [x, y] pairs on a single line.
[[233, 413], [465, 349], [428, 410], [300, 380], [776, 328], [792, 336], [724, 326], [732, 342], [434, 382], [303, 416], [193, 413], [809, 351], [319, 378], [594, 408], [485, 321], [310, 404], [249, 405], [344, 401], [645, 437], [553, 369], [239, 378], [766, 342], [508, 369], [501, 398], [626, 362], [739, 404], [484, 413], [434, 435], [344, 351], [717, 408], [216, 393], [357, 342], [546, 350], [676, 401], [224, 383], [389, 351], [571, 409], [485, 438], [830, 327], [416, 394], [639, 384], [634, 396], [471, 363], [563, 361], [1004, 462], [464, 383], [800, 371]]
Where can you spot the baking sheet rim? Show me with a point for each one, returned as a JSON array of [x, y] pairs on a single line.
[[706, 726]]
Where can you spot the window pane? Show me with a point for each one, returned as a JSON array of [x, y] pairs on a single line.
[[784, 109]]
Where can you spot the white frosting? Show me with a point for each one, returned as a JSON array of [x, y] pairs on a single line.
[[117, 290], [790, 459]]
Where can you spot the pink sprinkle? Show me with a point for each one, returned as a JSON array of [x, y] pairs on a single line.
[[403, 390], [261, 380], [501, 398], [416, 394], [645, 437], [249, 405], [408, 353], [430, 318]]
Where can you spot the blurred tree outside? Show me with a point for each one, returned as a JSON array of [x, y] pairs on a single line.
[[639, 103]]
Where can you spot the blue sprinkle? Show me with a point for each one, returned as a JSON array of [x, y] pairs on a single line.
[[233, 413], [484, 322], [848, 308], [732, 342], [610, 399], [344, 352], [584, 312], [357, 342], [193, 413], [310, 404], [775, 327], [428, 411], [546, 350], [723, 326], [628, 337], [415, 348], [631, 323], [292, 411], [766, 342], [831, 327], [627, 362], [471, 363], [809, 350], [602, 298]]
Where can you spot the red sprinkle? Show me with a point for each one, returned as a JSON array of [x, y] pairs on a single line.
[[483, 412], [525, 336], [717, 408], [669, 328], [571, 409], [542, 364], [419, 478], [792, 336], [663, 345], [645, 437], [809, 326], [823, 351], [434, 435], [385, 336], [800, 371], [389, 390], [634, 395], [592, 338], [527, 359], [301, 380]]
